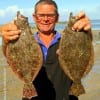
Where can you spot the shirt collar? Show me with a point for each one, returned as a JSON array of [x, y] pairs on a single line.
[[56, 38]]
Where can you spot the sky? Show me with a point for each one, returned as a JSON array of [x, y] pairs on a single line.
[[8, 9]]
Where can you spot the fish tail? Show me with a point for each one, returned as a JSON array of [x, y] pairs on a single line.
[[29, 91], [77, 89]]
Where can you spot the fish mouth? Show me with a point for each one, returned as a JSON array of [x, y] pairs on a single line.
[[19, 16]]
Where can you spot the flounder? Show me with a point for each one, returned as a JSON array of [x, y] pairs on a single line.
[[76, 55], [24, 55]]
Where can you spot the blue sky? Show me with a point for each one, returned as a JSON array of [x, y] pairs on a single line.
[[8, 8]]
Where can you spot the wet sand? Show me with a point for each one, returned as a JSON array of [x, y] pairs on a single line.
[[11, 86], [92, 81]]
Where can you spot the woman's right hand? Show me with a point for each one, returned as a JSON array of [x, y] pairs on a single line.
[[9, 32]]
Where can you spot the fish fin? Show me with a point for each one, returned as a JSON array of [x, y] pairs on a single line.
[[29, 91], [91, 62], [76, 89]]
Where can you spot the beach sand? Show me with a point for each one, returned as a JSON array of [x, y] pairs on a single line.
[[92, 81], [11, 86]]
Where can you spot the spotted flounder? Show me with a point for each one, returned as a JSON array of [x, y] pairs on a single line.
[[24, 55], [76, 55]]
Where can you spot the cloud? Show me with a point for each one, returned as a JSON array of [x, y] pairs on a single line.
[[8, 14], [8, 10], [92, 12], [65, 13], [12, 9], [1, 13]]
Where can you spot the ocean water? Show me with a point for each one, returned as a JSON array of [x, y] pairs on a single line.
[[95, 26]]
